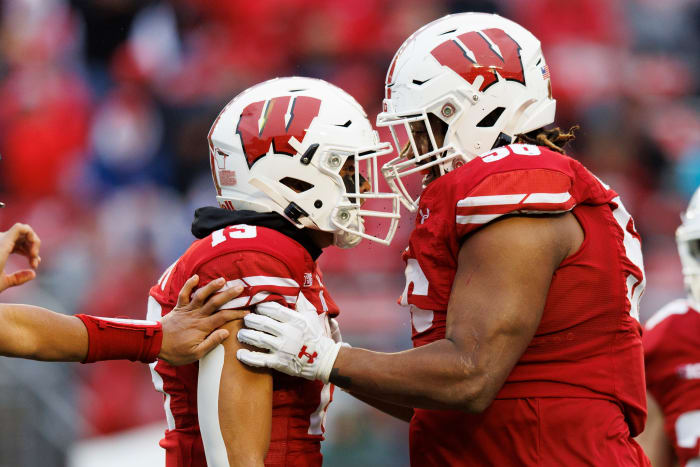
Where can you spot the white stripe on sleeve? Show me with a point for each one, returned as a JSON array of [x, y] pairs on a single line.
[[477, 218], [255, 281], [536, 198], [154, 313], [208, 383], [495, 200]]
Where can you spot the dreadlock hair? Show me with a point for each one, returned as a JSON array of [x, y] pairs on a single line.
[[554, 138]]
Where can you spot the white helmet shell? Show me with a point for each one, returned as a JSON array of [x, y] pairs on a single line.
[[280, 146], [688, 241], [483, 75]]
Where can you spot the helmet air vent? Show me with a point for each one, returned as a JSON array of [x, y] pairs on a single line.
[[492, 117], [419, 82], [298, 186]]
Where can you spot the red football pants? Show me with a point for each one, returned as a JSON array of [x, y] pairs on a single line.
[[526, 432]]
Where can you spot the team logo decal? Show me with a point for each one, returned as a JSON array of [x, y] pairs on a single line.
[[274, 122], [489, 53], [308, 279]]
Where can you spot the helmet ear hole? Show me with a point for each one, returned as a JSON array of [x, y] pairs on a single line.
[[298, 186]]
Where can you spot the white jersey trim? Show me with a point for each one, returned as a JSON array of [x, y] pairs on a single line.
[[257, 298], [154, 314], [208, 385], [256, 281], [493, 200], [688, 429], [677, 307], [546, 198], [502, 200], [477, 218]]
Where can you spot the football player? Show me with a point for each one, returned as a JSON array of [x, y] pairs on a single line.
[[31, 332], [287, 159], [672, 359], [523, 274]]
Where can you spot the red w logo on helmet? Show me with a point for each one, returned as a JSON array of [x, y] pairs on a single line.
[[492, 51], [274, 122]]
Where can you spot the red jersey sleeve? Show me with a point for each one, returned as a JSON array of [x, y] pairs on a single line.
[[539, 182], [269, 265], [264, 278]]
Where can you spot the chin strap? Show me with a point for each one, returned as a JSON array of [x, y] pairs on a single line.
[[293, 211]]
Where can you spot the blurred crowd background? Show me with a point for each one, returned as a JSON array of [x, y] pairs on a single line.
[[104, 111]]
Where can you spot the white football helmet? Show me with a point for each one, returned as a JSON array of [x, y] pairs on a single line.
[[688, 240], [280, 146], [482, 75]]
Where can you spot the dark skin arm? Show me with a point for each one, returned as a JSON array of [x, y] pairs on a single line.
[[396, 411], [498, 295]]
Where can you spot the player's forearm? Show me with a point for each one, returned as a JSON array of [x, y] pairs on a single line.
[[435, 376], [37, 333], [397, 411]]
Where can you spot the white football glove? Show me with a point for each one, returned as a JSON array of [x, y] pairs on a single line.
[[295, 340]]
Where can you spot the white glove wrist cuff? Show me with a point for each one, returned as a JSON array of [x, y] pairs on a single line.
[[326, 365]]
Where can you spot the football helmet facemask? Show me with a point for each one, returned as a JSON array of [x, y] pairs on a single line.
[[305, 149], [688, 241], [483, 76]]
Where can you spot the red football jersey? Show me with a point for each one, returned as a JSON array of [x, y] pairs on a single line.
[[672, 359], [588, 343], [271, 267]]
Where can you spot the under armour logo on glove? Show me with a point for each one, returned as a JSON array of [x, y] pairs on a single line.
[[285, 337], [310, 356]]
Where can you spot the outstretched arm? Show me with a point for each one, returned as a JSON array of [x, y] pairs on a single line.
[[498, 295], [187, 333], [37, 333]]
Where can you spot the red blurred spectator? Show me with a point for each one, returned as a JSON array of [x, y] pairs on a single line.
[[44, 123]]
